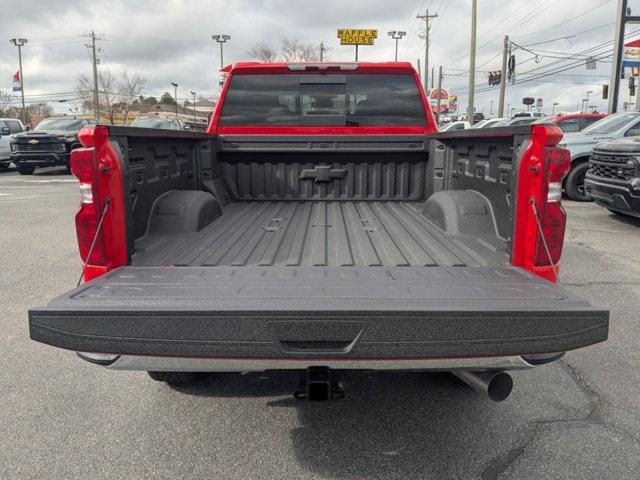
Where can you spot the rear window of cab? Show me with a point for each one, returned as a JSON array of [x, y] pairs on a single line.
[[325, 100]]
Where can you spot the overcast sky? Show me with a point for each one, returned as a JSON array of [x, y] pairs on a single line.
[[169, 41]]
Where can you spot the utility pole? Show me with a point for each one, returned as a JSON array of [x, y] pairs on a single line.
[[94, 61], [622, 18], [322, 49], [396, 36], [439, 89], [426, 17], [472, 62], [194, 105], [419, 69], [432, 77], [503, 76], [175, 97], [508, 109], [491, 108], [21, 42]]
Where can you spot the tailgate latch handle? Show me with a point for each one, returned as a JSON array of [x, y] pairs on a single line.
[[323, 173]]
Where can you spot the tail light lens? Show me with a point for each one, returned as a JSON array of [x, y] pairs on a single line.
[[84, 167], [556, 164]]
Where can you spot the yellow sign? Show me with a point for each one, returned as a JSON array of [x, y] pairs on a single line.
[[351, 36], [453, 99]]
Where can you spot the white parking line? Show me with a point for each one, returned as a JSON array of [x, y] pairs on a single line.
[[5, 194], [49, 181]]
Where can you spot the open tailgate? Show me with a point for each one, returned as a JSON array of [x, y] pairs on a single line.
[[275, 312]]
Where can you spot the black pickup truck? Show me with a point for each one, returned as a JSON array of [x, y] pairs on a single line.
[[321, 224], [49, 144], [613, 177]]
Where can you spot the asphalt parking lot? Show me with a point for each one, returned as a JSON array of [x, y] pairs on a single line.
[[63, 418]]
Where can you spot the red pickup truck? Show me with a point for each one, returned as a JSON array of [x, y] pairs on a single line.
[[321, 224]]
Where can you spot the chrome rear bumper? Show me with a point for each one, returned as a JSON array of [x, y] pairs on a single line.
[[186, 364]]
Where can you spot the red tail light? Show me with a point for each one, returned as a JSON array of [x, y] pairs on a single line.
[[552, 217], [540, 219], [83, 166]]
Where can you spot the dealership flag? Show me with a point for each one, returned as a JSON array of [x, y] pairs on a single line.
[[17, 83]]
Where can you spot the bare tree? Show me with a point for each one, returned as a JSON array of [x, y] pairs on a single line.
[[263, 52], [291, 50], [114, 94], [130, 88], [5, 101]]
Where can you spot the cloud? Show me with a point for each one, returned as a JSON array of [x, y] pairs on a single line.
[[171, 40]]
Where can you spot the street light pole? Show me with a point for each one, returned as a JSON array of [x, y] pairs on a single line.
[[20, 42], [221, 39], [194, 105], [175, 96], [587, 100], [396, 36]]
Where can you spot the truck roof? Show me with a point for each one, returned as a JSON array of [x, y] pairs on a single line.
[[293, 67]]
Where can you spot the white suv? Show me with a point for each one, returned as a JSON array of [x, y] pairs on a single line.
[[8, 127]]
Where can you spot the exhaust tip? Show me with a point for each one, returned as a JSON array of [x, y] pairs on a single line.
[[499, 387], [496, 385]]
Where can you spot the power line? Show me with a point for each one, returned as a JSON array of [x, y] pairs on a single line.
[[527, 17], [565, 21], [568, 66]]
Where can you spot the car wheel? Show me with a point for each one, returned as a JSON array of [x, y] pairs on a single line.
[[574, 185], [173, 378], [26, 170]]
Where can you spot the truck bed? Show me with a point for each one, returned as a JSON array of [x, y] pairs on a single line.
[[332, 234]]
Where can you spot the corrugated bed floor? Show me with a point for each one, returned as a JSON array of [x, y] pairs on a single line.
[[320, 234]]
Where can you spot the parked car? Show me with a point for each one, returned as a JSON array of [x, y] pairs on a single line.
[[455, 126], [529, 114], [48, 144], [491, 122], [572, 122], [616, 126], [613, 177], [8, 128], [518, 121], [159, 122], [310, 231]]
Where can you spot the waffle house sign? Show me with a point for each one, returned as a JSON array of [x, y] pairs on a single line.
[[351, 36]]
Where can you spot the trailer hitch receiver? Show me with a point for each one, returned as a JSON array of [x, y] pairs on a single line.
[[318, 384]]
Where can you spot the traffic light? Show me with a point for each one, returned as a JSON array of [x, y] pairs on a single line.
[[632, 86], [495, 77], [605, 91]]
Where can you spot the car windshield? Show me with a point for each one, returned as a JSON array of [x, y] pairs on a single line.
[[153, 123], [611, 123], [331, 100], [71, 124]]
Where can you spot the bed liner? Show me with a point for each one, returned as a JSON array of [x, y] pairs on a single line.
[[320, 233]]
